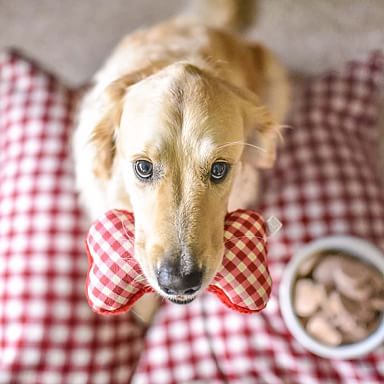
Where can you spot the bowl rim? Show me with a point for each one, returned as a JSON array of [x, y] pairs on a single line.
[[356, 247]]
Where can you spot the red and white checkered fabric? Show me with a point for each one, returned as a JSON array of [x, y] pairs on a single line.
[[115, 281], [326, 182], [48, 333]]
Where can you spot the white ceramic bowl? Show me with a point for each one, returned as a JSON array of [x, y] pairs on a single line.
[[350, 245]]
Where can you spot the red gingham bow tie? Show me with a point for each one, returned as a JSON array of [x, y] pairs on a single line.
[[115, 280]]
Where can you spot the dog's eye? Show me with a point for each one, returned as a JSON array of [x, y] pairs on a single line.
[[218, 171], [143, 169]]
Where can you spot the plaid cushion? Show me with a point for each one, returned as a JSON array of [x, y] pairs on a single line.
[[325, 182], [115, 281], [48, 334]]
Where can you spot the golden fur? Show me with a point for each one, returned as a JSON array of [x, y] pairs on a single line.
[[181, 95]]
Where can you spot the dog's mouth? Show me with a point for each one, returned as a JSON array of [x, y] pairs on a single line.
[[181, 299]]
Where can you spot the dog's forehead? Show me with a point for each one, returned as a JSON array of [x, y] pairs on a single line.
[[188, 116]]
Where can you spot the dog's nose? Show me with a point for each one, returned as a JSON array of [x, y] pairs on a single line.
[[174, 281]]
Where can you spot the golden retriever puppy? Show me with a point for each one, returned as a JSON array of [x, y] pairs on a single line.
[[174, 116]]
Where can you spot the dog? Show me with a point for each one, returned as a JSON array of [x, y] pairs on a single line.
[[176, 117]]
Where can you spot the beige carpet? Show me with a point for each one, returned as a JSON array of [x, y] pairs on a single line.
[[73, 37]]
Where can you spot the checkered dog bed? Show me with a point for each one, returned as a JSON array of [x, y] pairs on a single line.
[[325, 182]]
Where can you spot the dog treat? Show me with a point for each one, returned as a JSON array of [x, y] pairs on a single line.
[[338, 298], [346, 317], [377, 283], [353, 291], [324, 272], [331, 304], [319, 327], [362, 313], [352, 271], [308, 297], [307, 266], [350, 277], [356, 334], [377, 303]]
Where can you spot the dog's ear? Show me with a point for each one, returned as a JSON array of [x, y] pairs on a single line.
[[261, 129], [102, 136], [104, 133], [264, 118], [262, 133]]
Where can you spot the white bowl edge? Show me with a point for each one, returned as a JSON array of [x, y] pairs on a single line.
[[349, 244]]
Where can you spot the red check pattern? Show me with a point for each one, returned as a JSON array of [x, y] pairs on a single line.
[[48, 333], [326, 182], [115, 281], [244, 283]]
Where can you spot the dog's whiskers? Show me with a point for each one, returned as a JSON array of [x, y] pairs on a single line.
[[241, 143], [139, 278], [127, 235]]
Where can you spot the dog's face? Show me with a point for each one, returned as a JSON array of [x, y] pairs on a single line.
[[178, 141]]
